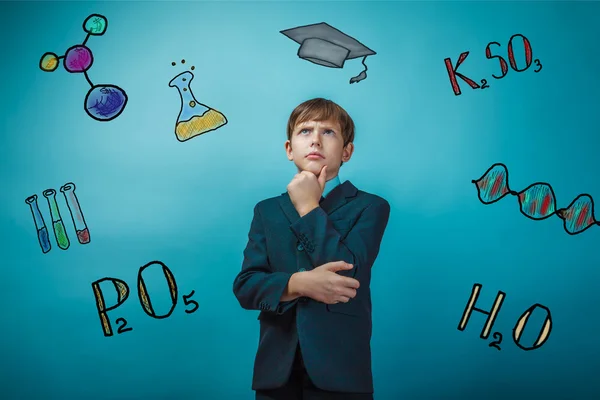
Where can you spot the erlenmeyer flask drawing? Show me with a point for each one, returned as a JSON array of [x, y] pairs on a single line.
[[57, 223], [40, 225], [83, 233], [194, 117]]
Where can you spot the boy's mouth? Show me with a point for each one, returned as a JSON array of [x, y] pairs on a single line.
[[314, 155]]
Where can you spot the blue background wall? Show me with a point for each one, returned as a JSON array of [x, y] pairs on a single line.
[[146, 196]]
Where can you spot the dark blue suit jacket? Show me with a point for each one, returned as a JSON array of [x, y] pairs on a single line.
[[335, 339]]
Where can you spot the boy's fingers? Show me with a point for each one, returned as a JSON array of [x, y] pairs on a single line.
[[323, 177], [344, 299], [351, 283], [334, 264], [338, 265]]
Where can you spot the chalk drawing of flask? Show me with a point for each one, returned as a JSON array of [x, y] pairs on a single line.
[[57, 223], [40, 225], [83, 233], [194, 117]]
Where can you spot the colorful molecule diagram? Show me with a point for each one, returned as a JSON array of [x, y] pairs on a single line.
[[537, 201], [102, 102]]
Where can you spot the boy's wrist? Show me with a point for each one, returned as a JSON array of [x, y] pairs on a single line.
[[296, 284], [306, 209]]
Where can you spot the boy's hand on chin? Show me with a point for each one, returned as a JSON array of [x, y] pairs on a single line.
[[305, 190]]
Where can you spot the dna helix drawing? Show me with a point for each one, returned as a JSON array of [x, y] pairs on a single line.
[[537, 201]]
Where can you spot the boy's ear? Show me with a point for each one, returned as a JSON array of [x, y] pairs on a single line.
[[347, 153], [288, 149]]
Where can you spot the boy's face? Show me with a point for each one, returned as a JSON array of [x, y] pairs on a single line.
[[321, 137]]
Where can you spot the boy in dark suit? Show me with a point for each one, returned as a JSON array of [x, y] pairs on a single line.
[[307, 268]]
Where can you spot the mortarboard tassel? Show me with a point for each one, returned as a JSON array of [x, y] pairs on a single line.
[[362, 75]]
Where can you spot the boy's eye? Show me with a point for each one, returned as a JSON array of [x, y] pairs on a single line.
[[328, 131], [308, 131]]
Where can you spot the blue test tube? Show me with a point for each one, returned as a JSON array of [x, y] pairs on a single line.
[[40, 225]]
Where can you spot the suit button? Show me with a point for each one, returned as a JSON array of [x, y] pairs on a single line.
[[300, 247], [301, 269]]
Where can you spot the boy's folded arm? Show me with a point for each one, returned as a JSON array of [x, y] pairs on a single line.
[[257, 287], [360, 247]]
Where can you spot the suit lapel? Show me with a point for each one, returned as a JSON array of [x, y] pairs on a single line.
[[335, 199]]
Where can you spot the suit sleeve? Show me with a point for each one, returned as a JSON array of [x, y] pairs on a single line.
[[257, 286], [361, 245]]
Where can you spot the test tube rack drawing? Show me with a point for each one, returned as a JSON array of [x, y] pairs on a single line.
[[58, 226], [102, 102]]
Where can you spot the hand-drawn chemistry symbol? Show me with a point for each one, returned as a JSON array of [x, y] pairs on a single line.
[[123, 294], [518, 330], [58, 226], [324, 45], [194, 118], [102, 102], [537, 201]]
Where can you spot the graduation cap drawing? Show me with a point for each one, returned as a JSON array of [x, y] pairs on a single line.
[[324, 45]]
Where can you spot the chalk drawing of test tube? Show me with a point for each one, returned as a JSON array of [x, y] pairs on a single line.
[[83, 233], [57, 223], [40, 225]]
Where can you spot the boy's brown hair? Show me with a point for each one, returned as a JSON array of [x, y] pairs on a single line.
[[321, 109]]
